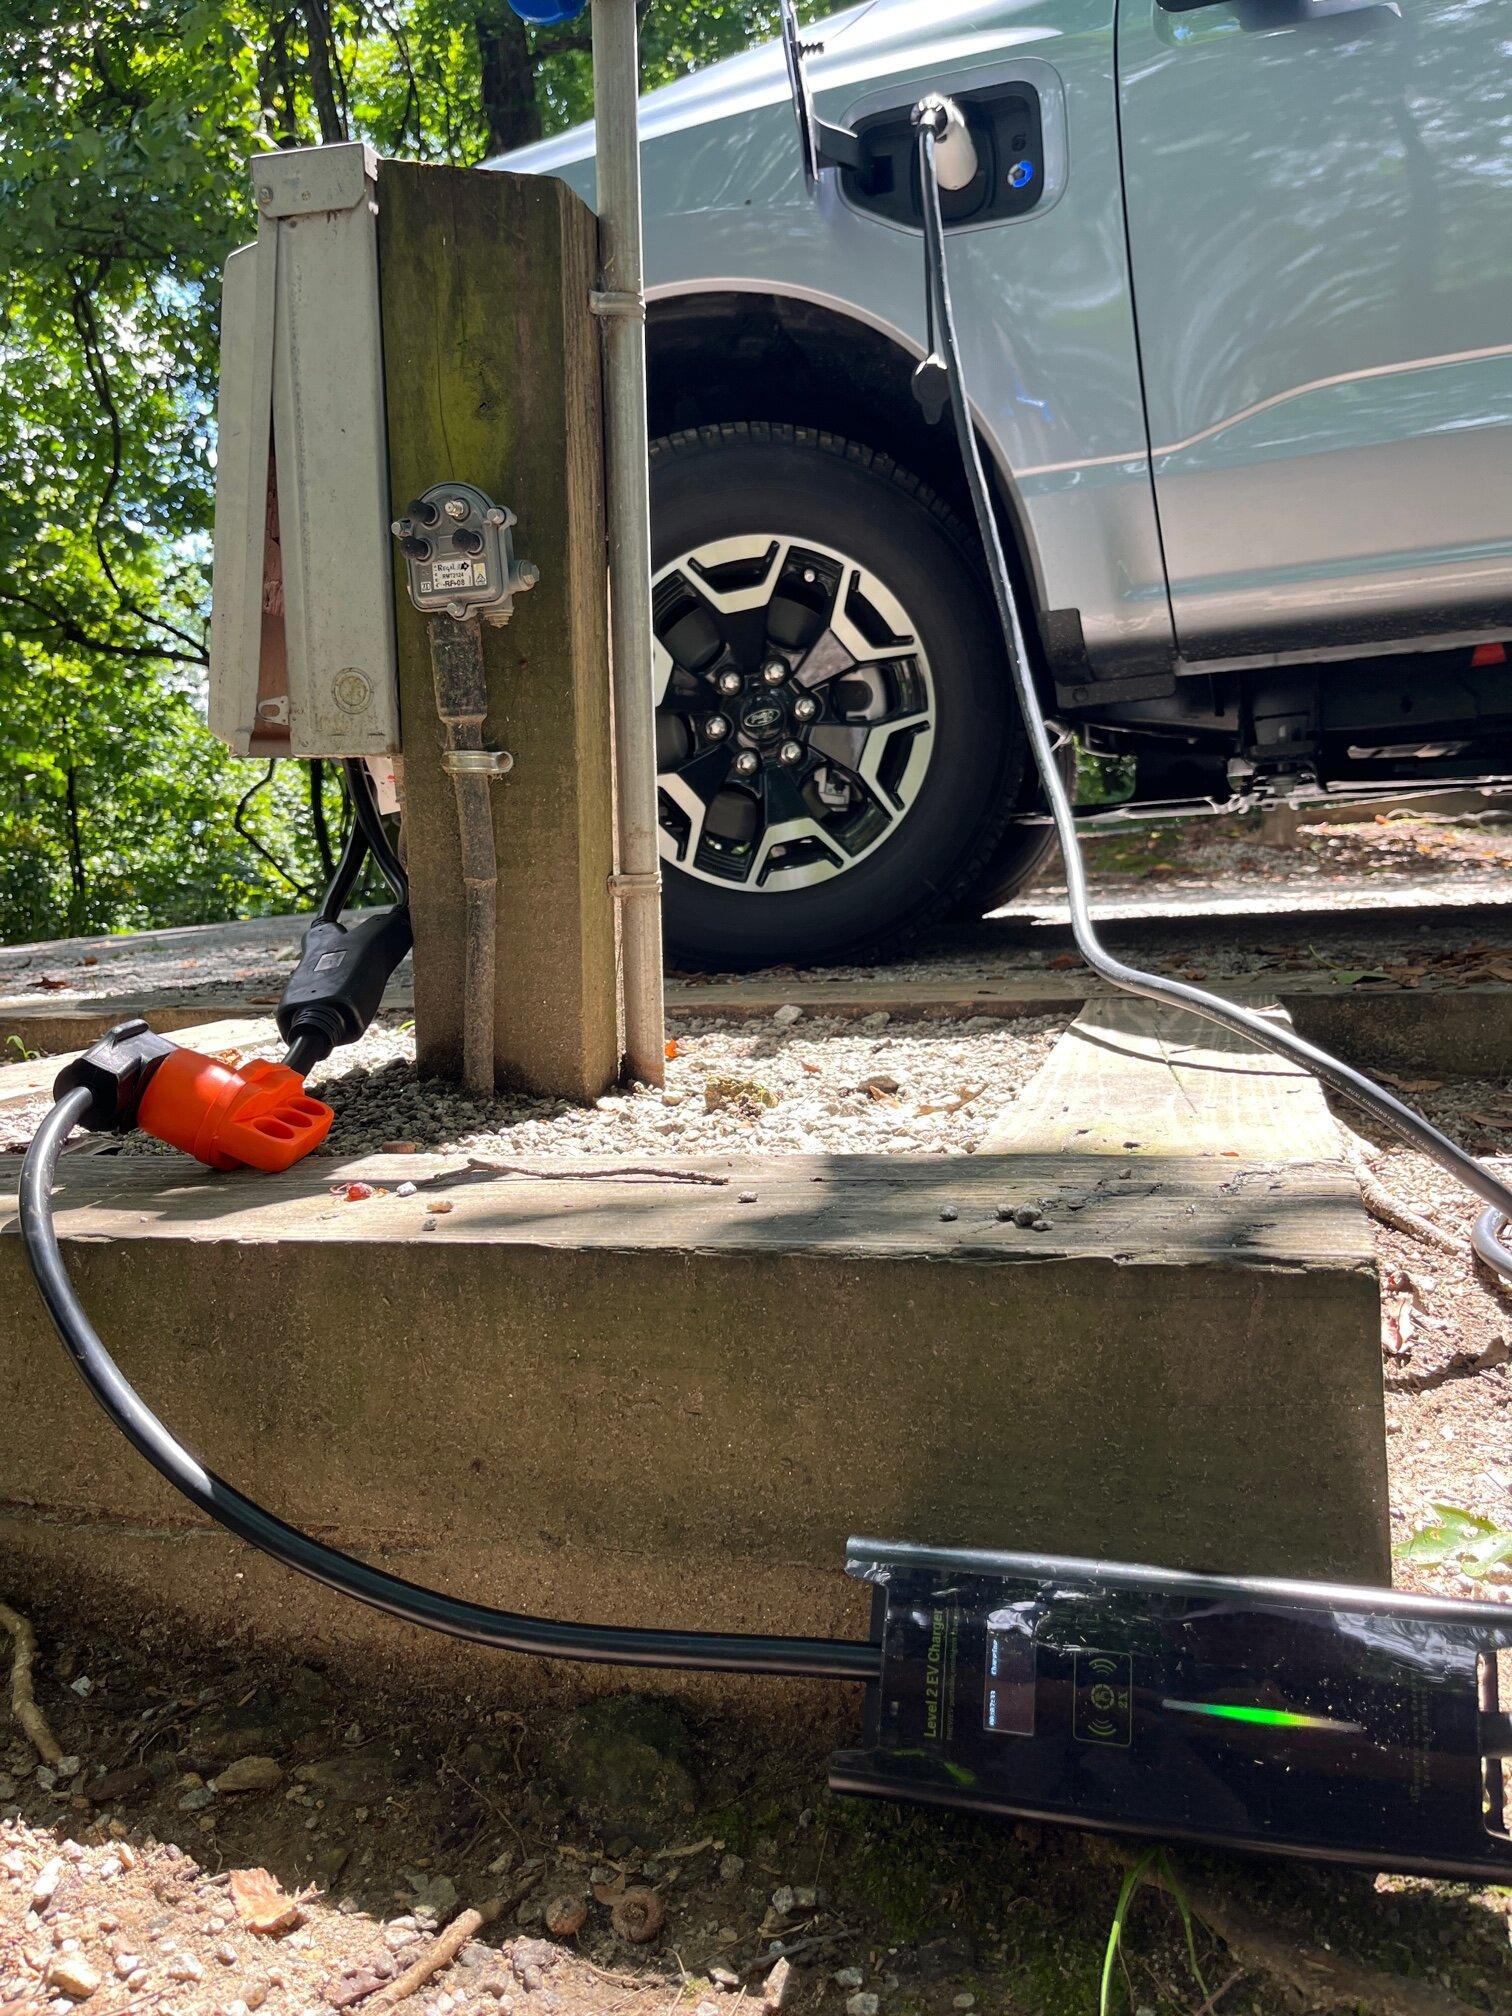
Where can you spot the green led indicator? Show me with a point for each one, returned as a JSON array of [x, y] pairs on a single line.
[[1261, 1718]]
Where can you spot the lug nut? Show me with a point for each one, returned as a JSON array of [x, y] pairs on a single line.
[[774, 671], [806, 707], [791, 752], [730, 682], [716, 727], [747, 762]]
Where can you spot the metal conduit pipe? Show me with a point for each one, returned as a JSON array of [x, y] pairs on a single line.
[[456, 647], [620, 303]]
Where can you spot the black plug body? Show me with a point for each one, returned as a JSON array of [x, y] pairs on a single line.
[[116, 1071], [337, 987]]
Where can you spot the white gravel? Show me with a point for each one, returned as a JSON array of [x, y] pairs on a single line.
[[785, 1086], [795, 1084]]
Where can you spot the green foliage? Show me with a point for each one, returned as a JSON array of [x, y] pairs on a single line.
[[1153, 1867], [126, 128], [1462, 1539]]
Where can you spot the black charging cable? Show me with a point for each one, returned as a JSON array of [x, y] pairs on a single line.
[[1489, 1238], [331, 997], [505, 1631]]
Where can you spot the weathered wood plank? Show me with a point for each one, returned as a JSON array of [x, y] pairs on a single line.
[[252, 1035], [492, 370], [1133, 1078], [1165, 1211]]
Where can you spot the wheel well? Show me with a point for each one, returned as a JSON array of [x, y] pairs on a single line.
[[737, 356]]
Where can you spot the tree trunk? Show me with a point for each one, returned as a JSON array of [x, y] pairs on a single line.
[[333, 126], [508, 77]]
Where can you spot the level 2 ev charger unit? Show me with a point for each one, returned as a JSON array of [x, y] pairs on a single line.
[[302, 651], [1338, 1724]]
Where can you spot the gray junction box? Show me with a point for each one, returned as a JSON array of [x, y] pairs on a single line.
[[302, 655]]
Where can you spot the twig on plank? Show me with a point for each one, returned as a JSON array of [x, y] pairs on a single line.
[[23, 1702]]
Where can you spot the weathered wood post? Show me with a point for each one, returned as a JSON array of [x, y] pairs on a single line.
[[492, 377]]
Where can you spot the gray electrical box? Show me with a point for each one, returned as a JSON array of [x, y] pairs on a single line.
[[302, 659]]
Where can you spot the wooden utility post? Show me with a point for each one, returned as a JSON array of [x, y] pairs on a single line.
[[492, 377]]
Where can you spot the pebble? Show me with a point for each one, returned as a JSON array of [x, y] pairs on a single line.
[[965, 2000], [787, 1015], [780, 1986], [949, 1213], [184, 1967], [863, 2004], [226, 1953], [249, 1774], [196, 1799], [848, 1977], [49, 1876], [126, 1964], [71, 1975], [731, 1868], [69, 1767]]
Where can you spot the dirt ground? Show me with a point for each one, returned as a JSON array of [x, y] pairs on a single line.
[[381, 1814]]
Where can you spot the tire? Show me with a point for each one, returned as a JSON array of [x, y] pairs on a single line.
[[1023, 850], [783, 555]]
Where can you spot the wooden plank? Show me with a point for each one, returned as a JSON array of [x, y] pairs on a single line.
[[1132, 1078], [492, 370], [1166, 1210], [249, 1035]]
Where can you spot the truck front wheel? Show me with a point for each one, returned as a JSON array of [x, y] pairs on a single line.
[[838, 750]]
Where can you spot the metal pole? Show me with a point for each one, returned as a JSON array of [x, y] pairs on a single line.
[[621, 303]]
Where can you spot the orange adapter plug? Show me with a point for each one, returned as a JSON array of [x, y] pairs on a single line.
[[256, 1114]]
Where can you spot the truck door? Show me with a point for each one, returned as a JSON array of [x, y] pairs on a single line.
[[1319, 204]]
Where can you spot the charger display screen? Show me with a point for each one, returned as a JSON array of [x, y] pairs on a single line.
[[1008, 1682]]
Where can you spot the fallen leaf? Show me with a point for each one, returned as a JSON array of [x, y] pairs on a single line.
[[671, 1048], [1062, 962], [50, 983], [956, 1101], [262, 1904]]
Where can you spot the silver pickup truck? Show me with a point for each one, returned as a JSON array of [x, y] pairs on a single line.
[[1235, 287]]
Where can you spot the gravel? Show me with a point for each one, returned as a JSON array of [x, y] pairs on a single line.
[[803, 1085], [790, 1086]]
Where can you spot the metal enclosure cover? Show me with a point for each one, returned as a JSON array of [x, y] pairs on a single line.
[[302, 371]]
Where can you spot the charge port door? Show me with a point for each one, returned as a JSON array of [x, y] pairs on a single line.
[[1004, 121]]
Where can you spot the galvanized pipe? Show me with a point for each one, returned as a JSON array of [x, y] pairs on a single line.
[[621, 305], [462, 705]]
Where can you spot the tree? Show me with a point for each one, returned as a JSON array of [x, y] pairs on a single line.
[[126, 127]]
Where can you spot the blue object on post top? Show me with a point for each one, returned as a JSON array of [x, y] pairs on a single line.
[[547, 13]]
